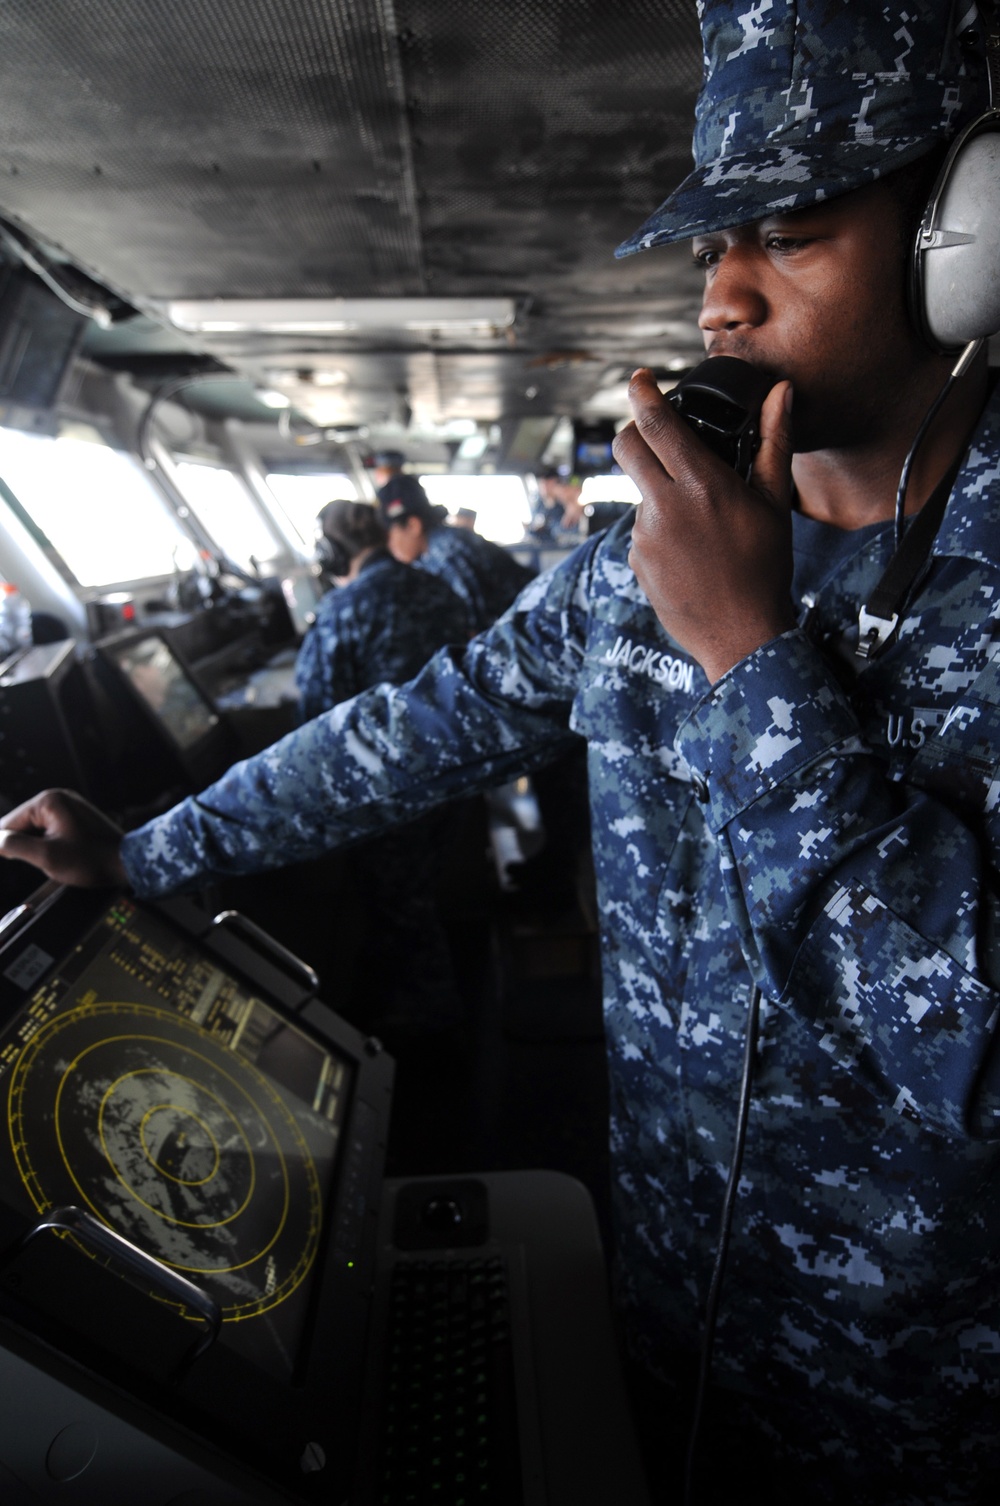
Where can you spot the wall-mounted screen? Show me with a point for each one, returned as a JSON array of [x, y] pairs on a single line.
[[157, 675]]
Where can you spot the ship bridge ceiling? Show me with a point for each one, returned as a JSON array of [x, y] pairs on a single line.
[[450, 179]]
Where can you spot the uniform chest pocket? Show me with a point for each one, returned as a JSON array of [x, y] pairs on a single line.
[[960, 763]]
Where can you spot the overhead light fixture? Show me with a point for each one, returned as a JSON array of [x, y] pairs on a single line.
[[272, 399], [333, 316]]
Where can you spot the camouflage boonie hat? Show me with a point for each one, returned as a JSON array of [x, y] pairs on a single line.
[[805, 101]]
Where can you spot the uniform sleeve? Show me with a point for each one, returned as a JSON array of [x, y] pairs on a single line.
[[325, 671], [471, 719], [309, 675], [455, 573], [867, 906], [445, 621]]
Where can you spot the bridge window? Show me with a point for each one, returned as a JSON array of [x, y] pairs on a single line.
[[500, 502], [96, 506], [609, 489], [301, 496], [225, 510]]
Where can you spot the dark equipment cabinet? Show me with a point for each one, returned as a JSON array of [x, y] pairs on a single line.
[[48, 734]]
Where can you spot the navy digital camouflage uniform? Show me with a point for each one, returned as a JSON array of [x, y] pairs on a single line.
[[546, 526], [383, 626], [803, 100], [826, 828], [834, 825], [483, 574], [546, 518]]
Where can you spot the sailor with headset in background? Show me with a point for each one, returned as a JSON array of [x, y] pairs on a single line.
[[381, 622], [792, 711]]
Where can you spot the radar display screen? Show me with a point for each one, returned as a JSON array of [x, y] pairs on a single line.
[[157, 675], [151, 1088]]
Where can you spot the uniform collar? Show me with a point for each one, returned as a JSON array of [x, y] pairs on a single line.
[[378, 556], [971, 524]]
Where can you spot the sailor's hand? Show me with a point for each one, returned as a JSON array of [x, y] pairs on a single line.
[[713, 555], [65, 836]]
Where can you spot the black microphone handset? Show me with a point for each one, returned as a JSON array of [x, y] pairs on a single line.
[[721, 399]]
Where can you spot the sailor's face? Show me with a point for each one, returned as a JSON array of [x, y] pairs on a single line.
[[407, 540], [817, 296]]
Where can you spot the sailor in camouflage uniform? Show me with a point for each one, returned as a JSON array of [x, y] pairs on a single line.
[[483, 574], [767, 808], [381, 625]]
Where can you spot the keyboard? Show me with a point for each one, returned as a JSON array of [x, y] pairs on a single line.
[[449, 1418]]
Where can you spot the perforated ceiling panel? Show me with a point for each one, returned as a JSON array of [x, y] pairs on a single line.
[[211, 146], [568, 120], [260, 148]]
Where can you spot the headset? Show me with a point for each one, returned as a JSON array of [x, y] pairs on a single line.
[[955, 265], [332, 556], [344, 533]]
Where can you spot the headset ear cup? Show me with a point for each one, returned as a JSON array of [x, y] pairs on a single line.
[[332, 556], [956, 258]]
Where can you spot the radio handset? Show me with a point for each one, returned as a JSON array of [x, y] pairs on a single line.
[[721, 400]]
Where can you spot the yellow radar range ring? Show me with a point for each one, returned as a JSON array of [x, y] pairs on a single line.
[[174, 1141]]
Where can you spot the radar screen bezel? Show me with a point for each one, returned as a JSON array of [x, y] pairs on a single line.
[[191, 1094]]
